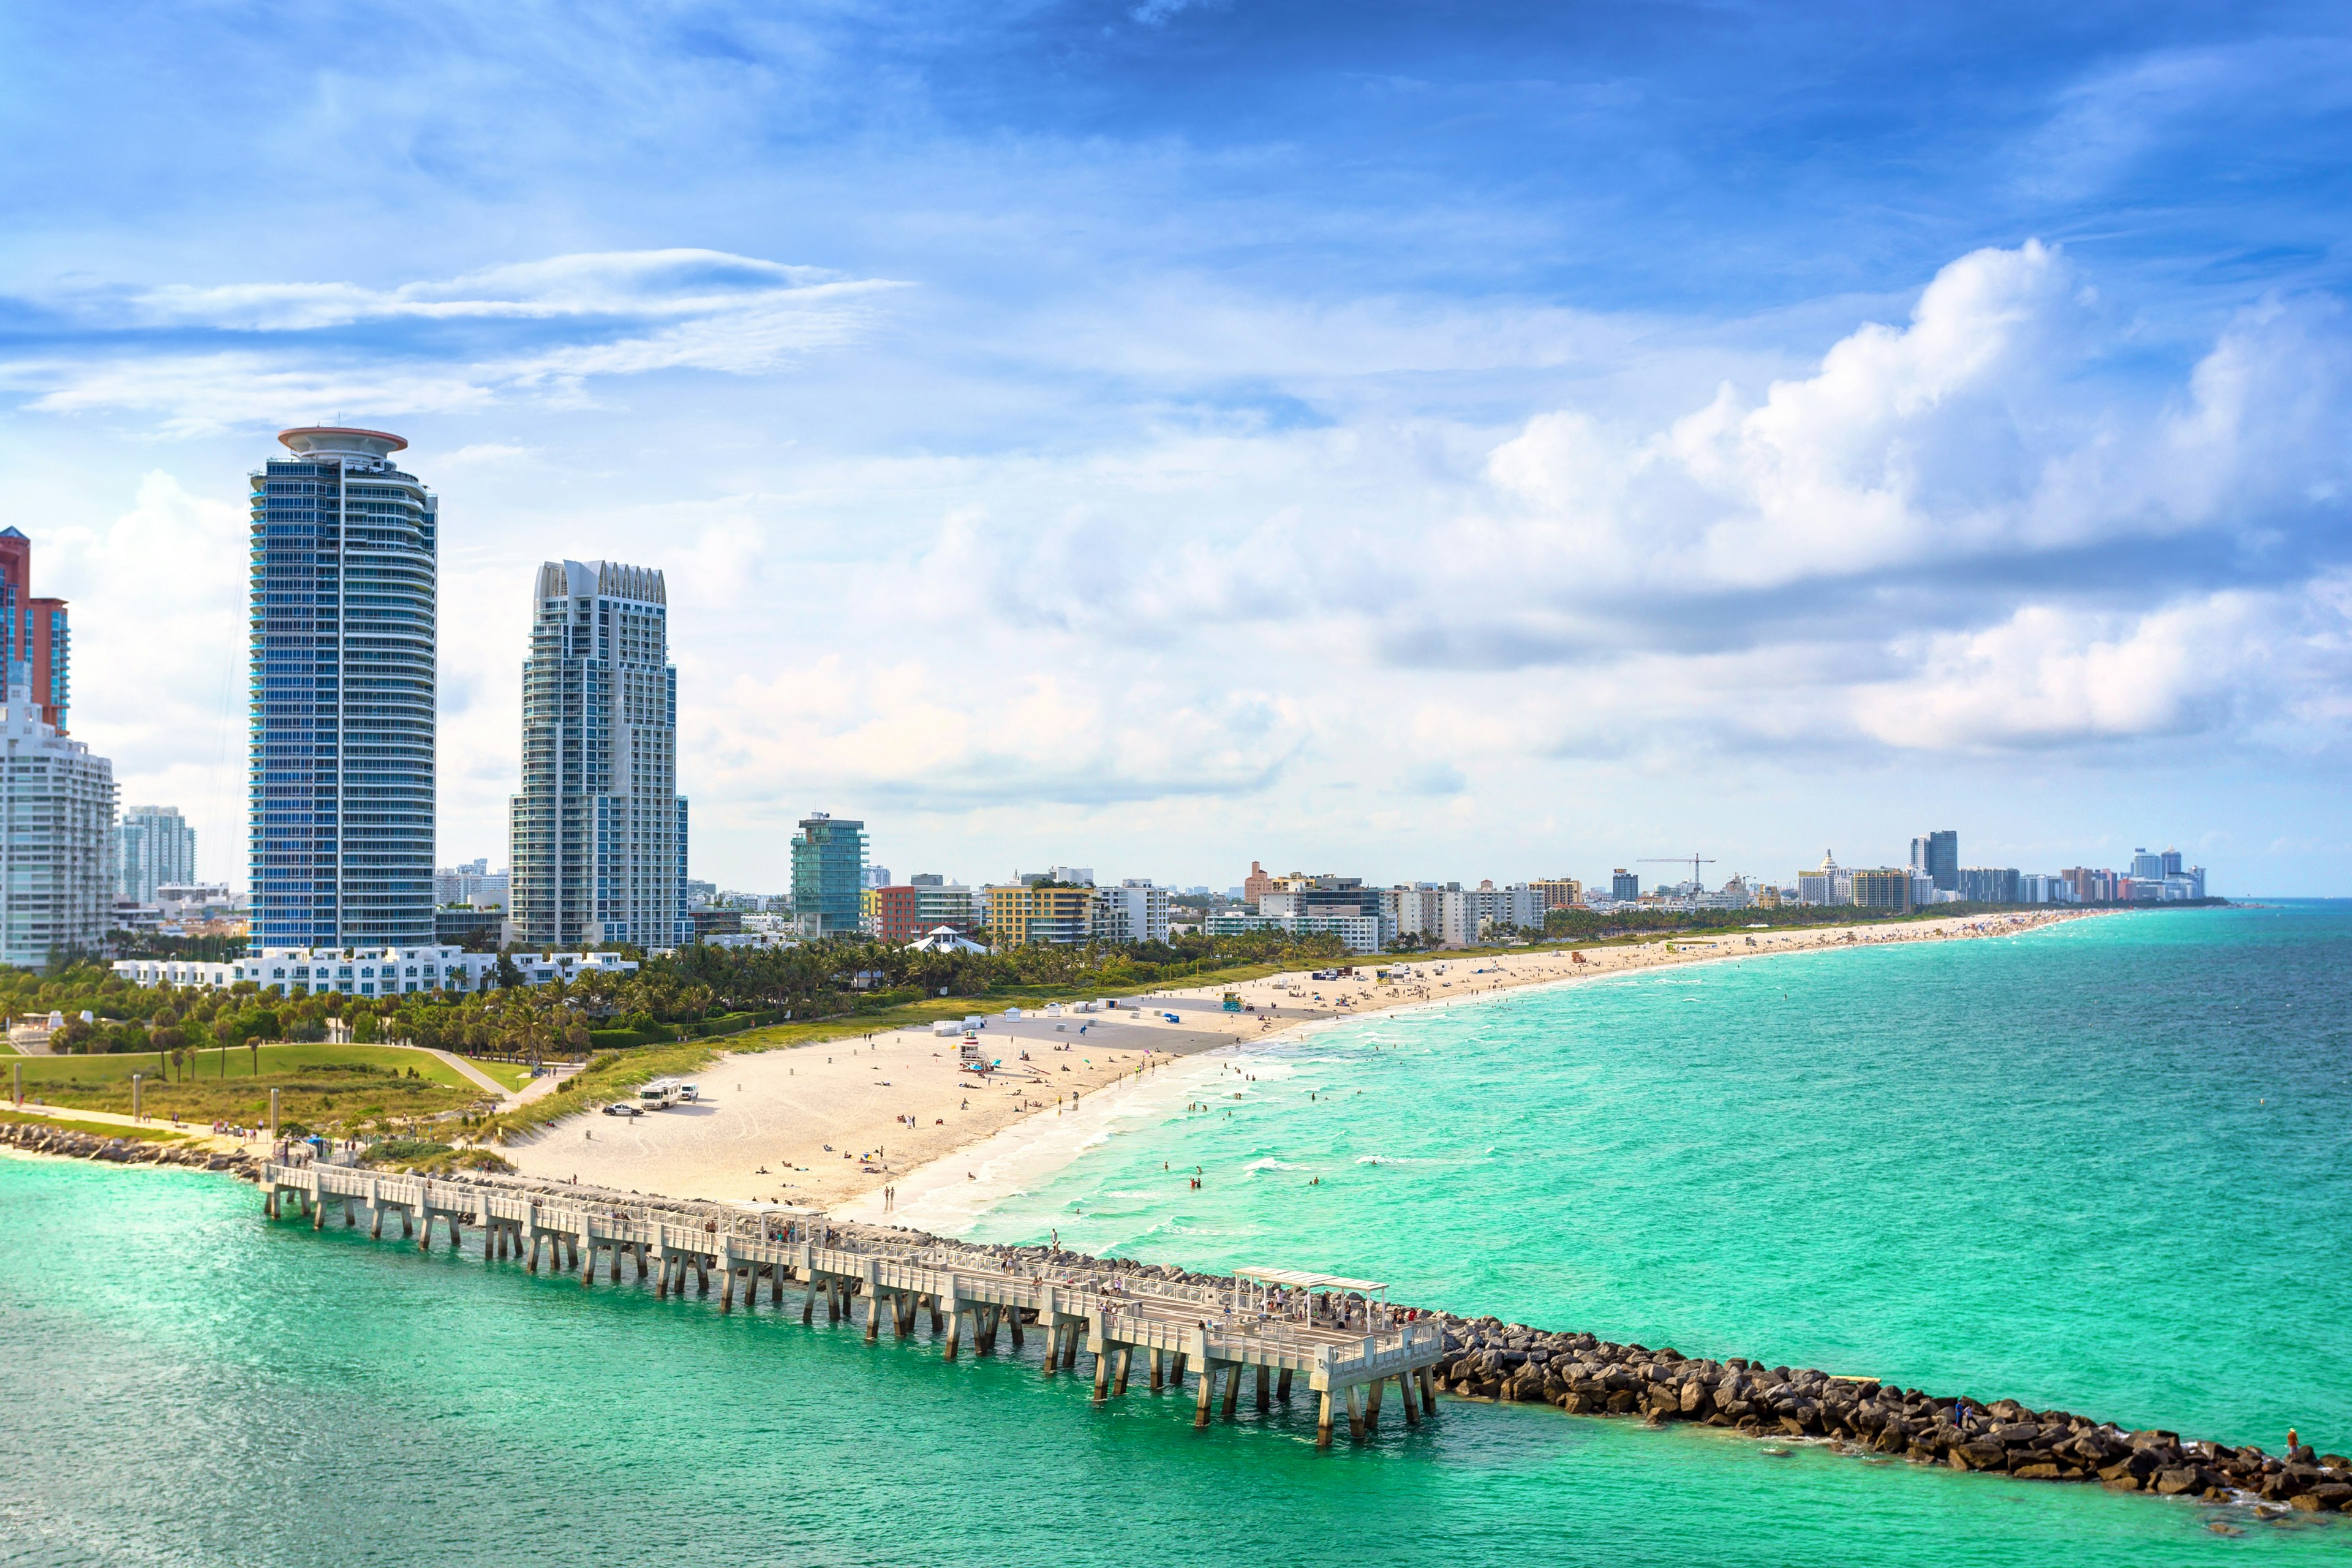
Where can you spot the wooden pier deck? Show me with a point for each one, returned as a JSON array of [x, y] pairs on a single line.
[[1272, 1325]]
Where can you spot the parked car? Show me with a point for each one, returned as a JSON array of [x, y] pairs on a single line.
[[623, 1107]]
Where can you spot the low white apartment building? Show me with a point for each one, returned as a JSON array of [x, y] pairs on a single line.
[[1359, 933], [1455, 916], [366, 971], [1135, 911]]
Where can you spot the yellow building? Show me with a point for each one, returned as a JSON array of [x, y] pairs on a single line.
[[1559, 892], [1886, 889], [1027, 914]]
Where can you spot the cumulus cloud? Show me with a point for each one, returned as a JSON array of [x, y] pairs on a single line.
[[1976, 528], [1966, 433], [157, 598], [2273, 665]]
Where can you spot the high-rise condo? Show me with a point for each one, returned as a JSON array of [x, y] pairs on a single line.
[[155, 848], [599, 833], [1937, 856], [56, 801], [828, 874], [33, 631], [343, 581]]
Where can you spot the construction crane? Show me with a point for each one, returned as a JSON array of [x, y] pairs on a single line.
[[1695, 861]]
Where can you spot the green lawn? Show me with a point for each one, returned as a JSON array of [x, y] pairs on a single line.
[[319, 1086], [207, 1066]]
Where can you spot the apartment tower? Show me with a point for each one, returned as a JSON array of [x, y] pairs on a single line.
[[343, 588], [155, 848], [33, 631], [598, 835], [828, 874]]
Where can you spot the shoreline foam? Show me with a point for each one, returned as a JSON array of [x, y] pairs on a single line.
[[991, 1169]]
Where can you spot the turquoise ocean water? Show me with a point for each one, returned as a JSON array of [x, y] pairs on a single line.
[[2104, 1166]]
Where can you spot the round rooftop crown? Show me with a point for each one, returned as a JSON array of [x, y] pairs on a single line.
[[342, 441]]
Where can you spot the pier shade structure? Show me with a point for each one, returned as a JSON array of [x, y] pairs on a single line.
[[1270, 1326]]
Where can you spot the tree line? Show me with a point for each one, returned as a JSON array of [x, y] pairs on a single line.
[[666, 996]]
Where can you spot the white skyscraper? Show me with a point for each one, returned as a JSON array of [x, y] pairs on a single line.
[[157, 848], [599, 833], [56, 806]]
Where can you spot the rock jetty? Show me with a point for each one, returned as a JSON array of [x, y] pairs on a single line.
[[1487, 1359], [36, 1138]]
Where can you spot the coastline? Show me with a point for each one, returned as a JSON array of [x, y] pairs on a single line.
[[948, 1194], [831, 1126], [1579, 1373]]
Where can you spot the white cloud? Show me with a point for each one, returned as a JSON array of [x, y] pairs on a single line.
[[2269, 664], [608, 314], [624, 283], [157, 598]]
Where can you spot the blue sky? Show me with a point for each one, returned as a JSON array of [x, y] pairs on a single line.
[[1431, 442]]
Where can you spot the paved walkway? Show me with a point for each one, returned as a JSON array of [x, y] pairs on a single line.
[[539, 1087], [472, 1073]]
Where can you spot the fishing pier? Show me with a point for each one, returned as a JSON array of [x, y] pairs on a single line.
[[1268, 1325]]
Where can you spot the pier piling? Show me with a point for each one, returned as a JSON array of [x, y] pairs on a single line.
[[970, 1293]]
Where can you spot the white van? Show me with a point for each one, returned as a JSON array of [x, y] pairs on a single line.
[[660, 1094]]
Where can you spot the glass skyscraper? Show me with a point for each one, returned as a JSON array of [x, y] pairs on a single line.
[[344, 565], [598, 834], [829, 874]]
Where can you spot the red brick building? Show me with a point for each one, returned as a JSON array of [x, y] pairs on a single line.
[[898, 914], [33, 631]]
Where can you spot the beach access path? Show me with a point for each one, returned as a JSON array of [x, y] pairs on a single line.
[[760, 1130]]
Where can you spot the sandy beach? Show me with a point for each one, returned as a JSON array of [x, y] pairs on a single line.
[[817, 1125], [829, 1126]]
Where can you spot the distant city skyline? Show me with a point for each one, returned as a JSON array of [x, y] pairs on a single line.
[[1495, 439]]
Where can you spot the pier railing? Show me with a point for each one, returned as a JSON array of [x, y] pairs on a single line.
[[1113, 1313]]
